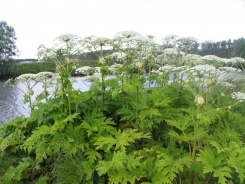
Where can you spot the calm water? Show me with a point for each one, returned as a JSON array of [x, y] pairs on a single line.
[[11, 99]]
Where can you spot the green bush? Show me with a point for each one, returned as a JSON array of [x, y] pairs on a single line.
[[8, 69], [35, 67]]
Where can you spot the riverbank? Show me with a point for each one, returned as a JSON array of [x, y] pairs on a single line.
[[47, 66]]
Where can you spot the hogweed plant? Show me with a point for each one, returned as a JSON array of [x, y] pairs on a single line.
[[30, 81], [164, 117]]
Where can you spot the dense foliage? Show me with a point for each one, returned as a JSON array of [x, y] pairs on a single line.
[[36, 67], [8, 69], [165, 117]]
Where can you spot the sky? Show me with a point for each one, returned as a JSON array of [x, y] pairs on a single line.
[[39, 22]]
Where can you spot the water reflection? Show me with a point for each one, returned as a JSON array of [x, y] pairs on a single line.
[[11, 99]]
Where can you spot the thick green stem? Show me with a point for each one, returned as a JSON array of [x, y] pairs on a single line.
[[30, 103], [103, 89], [137, 101], [69, 98], [195, 134]]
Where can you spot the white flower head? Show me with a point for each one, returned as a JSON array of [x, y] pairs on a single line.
[[85, 70], [170, 51], [44, 75], [113, 68], [238, 96], [118, 56], [26, 77]]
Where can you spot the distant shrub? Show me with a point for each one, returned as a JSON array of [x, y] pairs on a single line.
[[35, 67]]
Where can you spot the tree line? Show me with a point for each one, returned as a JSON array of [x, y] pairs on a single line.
[[224, 48]]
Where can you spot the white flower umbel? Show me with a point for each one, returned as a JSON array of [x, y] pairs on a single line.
[[117, 56], [85, 70], [204, 69], [94, 77], [113, 68], [229, 69], [189, 42], [171, 56], [170, 40], [170, 51], [225, 84], [239, 59], [44, 75], [26, 77], [193, 59], [201, 73], [97, 69], [238, 96], [211, 58], [166, 68], [229, 73]]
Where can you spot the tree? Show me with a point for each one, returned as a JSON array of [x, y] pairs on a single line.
[[7, 41], [238, 49]]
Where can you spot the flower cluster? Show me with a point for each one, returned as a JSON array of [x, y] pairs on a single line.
[[44, 75], [26, 77], [166, 68], [113, 68], [187, 41], [128, 34], [85, 70], [193, 59], [169, 40], [210, 58], [118, 56], [225, 84], [238, 96], [170, 51], [229, 69], [205, 70], [203, 74]]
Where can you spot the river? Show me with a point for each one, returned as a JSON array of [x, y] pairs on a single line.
[[11, 99]]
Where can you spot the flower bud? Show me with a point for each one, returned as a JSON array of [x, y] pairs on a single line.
[[30, 92], [208, 81], [139, 64], [67, 60], [102, 60], [199, 100]]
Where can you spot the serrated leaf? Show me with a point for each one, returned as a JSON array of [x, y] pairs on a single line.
[[153, 112], [92, 155], [222, 174], [35, 137], [98, 125], [126, 114], [133, 162], [207, 157], [118, 139], [103, 167], [170, 166], [105, 142], [60, 124]]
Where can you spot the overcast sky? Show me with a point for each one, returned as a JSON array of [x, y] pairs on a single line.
[[41, 21]]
